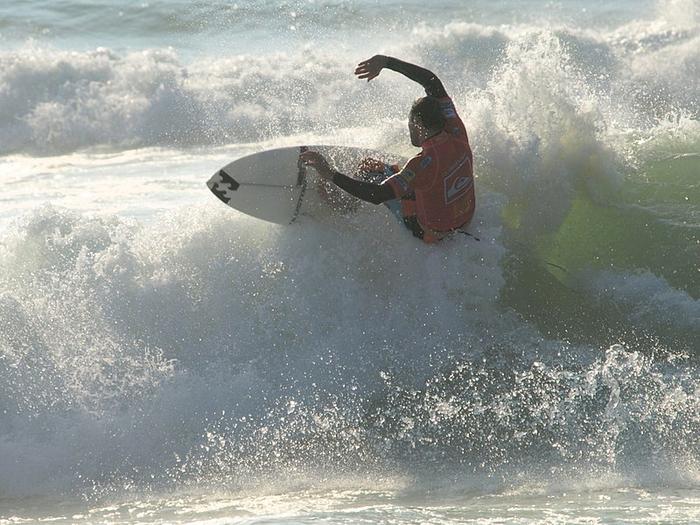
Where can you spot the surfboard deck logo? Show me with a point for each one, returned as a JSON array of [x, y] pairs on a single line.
[[222, 184]]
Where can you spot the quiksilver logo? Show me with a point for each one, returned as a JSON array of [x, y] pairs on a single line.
[[458, 185], [455, 185]]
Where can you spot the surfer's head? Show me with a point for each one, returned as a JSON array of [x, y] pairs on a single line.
[[425, 120]]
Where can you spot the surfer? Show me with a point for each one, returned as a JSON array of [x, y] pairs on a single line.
[[435, 189]]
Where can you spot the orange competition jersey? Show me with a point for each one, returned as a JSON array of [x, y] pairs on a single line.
[[441, 177]]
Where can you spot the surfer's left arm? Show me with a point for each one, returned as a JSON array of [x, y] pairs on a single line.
[[366, 191], [371, 68]]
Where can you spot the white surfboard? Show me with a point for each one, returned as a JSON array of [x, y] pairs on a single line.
[[274, 186]]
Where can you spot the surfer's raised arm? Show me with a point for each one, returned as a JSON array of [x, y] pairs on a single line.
[[371, 67], [433, 194]]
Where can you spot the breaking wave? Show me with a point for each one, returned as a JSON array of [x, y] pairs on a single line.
[[637, 76], [203, 347]]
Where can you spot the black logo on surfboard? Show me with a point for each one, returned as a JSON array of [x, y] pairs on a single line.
[[222, 184]]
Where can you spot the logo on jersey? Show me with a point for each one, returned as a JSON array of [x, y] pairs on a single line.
[[408, 175], [456, 188], [448, 109], [457, 182], [402, 183], [404, 178]]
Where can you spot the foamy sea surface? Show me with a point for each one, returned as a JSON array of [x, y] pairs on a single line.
[[164, 359]]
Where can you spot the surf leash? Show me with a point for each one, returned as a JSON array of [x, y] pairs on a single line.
[[469, 234]]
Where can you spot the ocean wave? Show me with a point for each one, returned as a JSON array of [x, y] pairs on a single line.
[[210, 348], [649, 300], [103, 322], [54, 101], [200, 349]]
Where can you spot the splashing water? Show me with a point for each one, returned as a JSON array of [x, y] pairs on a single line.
[[163, 357]]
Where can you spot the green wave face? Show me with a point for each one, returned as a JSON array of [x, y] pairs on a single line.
[[654, 226], [647, 229]]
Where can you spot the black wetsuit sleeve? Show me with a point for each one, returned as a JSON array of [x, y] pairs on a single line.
[[366, 191], [430, 82]]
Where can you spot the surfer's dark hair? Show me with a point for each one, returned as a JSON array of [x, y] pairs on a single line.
[[428, 112]]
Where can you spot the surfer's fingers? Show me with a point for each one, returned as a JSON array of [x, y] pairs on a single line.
[[307, 156], [369, 75], [312, 158]]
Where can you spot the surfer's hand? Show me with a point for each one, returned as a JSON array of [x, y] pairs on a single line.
[[318, 162], [371, 67], [370, 165]]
